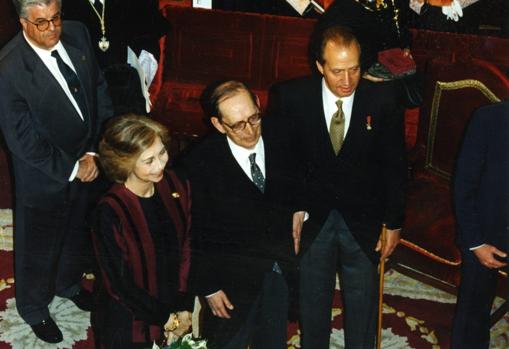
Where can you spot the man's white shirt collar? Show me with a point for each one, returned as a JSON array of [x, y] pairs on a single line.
[[241, 154]]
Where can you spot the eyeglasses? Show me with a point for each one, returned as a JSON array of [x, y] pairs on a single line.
[[253, 120], [43, 24]]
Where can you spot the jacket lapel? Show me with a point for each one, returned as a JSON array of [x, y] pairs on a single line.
[[44, 84], [318, 123]]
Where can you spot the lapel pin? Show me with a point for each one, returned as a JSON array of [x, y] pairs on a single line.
[[368, 123], [175, 195]]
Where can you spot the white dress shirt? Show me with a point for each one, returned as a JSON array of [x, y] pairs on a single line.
[[329, 106]]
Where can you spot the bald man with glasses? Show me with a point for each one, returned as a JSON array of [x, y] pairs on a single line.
[[244, 201], [53, 103]]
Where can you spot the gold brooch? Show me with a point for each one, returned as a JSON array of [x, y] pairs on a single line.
[[175, 195]]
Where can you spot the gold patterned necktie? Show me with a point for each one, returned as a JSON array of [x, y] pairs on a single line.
[[337, 128]]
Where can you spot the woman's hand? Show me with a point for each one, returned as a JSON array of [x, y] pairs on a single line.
[[185, 319], [177, 325], [172, 324]]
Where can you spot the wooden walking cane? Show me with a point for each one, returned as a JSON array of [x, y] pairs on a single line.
[[383, 239]]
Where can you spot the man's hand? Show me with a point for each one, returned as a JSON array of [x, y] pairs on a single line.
[[392, 240], [87, 170], [219, 303], [486, 255], [298, 222]]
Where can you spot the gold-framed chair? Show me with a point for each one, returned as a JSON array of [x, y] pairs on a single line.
[[453, 90]]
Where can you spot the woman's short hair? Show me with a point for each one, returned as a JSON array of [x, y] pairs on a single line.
[[123, 141]]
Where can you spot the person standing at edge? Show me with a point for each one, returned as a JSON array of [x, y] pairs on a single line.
[[349, 135], [53, 103], [481, 198]]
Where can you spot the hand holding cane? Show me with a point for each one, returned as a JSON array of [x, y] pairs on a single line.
[[383, 239]]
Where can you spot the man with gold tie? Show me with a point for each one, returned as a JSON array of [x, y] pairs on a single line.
[[348, 134]]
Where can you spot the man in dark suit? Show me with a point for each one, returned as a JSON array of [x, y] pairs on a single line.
[[243, 204], [481, 197], [53, 103], [349, 135]]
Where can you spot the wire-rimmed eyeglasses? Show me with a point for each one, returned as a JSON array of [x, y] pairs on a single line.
[[253, 120]]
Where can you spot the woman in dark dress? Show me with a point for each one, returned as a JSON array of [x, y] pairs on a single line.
[[141, 237]]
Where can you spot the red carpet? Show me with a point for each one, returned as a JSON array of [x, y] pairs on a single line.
[[415, 315]]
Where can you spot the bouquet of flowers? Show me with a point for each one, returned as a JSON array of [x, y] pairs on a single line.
[[186, 342]]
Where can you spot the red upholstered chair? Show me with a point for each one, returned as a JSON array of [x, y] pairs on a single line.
[[453, 90]]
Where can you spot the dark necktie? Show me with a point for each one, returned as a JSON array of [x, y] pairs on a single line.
[[337, 128], [256, 173], [73, 83]]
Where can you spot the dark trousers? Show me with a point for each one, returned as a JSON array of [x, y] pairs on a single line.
[[471, 326], [52, 250], [266, 323], [359, 288]]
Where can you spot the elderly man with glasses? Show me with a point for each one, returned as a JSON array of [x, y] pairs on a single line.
[[53, 103], [244, 202]]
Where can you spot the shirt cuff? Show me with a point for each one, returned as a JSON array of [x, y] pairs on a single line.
[[212, 294], [476, 247], [74, 171]]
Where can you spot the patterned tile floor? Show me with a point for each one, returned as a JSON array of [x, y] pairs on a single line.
[[415, 315]]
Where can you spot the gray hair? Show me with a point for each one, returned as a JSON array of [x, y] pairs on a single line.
[[22, 5]]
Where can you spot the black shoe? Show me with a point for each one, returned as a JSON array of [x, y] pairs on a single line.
[[83, 300], [48, 331]]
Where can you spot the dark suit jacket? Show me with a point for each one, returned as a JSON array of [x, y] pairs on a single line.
[[43, 131], [481, 181], [366, 181], [238, 231]]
